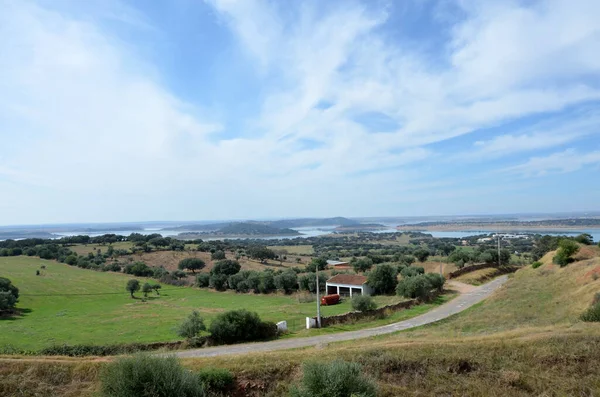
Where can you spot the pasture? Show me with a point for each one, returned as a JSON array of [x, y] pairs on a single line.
[[70, 305]]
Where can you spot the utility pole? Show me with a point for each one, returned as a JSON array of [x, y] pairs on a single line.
[[498, 249], [318, 299]]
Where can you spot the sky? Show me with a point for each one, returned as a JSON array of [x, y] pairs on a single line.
[[116, 110]]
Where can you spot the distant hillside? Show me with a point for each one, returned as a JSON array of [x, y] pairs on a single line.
[[360, 227], [308, 222], [281, 224], [250, 229]]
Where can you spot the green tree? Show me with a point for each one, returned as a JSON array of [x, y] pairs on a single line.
[[192, 264], [287, 281], [320, 263], [260, 253], [421, 254], [218, 282], [156, 287], [382, 279], [362, 265], [566, 249], [192, 326], [226, 266], [412, 271], [146, 289], [217, 255], [436, 280], [132, 286], [203, 280], [585, 238], [9, 295], [414, 287]]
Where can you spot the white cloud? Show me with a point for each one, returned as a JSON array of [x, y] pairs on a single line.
[[87, 120], [562, 162]]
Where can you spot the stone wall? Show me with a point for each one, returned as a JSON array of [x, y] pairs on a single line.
[[380, 312], [472, 268]]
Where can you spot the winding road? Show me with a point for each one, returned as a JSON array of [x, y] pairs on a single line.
[[457, 305]]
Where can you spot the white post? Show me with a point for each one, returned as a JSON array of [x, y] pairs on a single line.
[[350, 292], [318, 300]]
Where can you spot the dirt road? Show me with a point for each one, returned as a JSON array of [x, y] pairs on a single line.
[[462, 302]]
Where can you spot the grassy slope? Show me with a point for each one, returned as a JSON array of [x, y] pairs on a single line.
[[525, 340], [112, 316]]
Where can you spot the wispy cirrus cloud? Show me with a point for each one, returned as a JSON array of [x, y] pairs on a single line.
[[344, 101]]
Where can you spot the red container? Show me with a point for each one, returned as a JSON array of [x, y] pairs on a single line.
[[330, 300]]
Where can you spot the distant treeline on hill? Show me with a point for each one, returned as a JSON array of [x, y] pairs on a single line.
[[281, 227], [548, 222]]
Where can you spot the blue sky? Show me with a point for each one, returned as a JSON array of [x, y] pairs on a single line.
[[234, 109]]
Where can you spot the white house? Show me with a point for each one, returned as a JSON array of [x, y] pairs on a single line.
[[348, 285]]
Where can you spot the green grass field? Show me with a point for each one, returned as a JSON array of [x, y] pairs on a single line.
[[71, 305], [294, 249], [84, 249]]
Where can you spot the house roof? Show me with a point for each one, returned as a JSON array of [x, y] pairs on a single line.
[[332, 262], [350, 279]]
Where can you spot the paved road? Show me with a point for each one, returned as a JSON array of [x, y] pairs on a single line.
[[456, 305]]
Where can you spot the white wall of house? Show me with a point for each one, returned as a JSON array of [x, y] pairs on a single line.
[[364, 289]]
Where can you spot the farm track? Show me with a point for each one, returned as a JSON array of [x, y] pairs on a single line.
[[457, 305]]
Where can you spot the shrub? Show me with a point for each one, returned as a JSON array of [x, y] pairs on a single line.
[[592, 314], [218, 282], [536, 264], [436, 280], [217, 380], [203, 280], [412, 271], [146, 288], [421, 254], [139, 269], [9, 294], [240, 326], [217, 255], [191, 326], [585, 238], [338, 378], [363, 303], [286, 281], [414, 287], [362, 265], [145, 375], [112, 267], [566, 249], [226, 266], [192, 264], [132, 286], [382, 279]]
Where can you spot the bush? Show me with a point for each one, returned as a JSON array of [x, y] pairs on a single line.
[[139, 269], [536, 264], [217, 255], [227, 267], [382, 279], [112, 267], [240, 326], [9, 294], [414, 287], [203, 280], [218, 282], [191, 326], [338, 378], [412, 271], [192, 264], [286, 281], [592, 314], [566, 249], [436, 280], [145, 375], [217, 380], [363, 303]]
